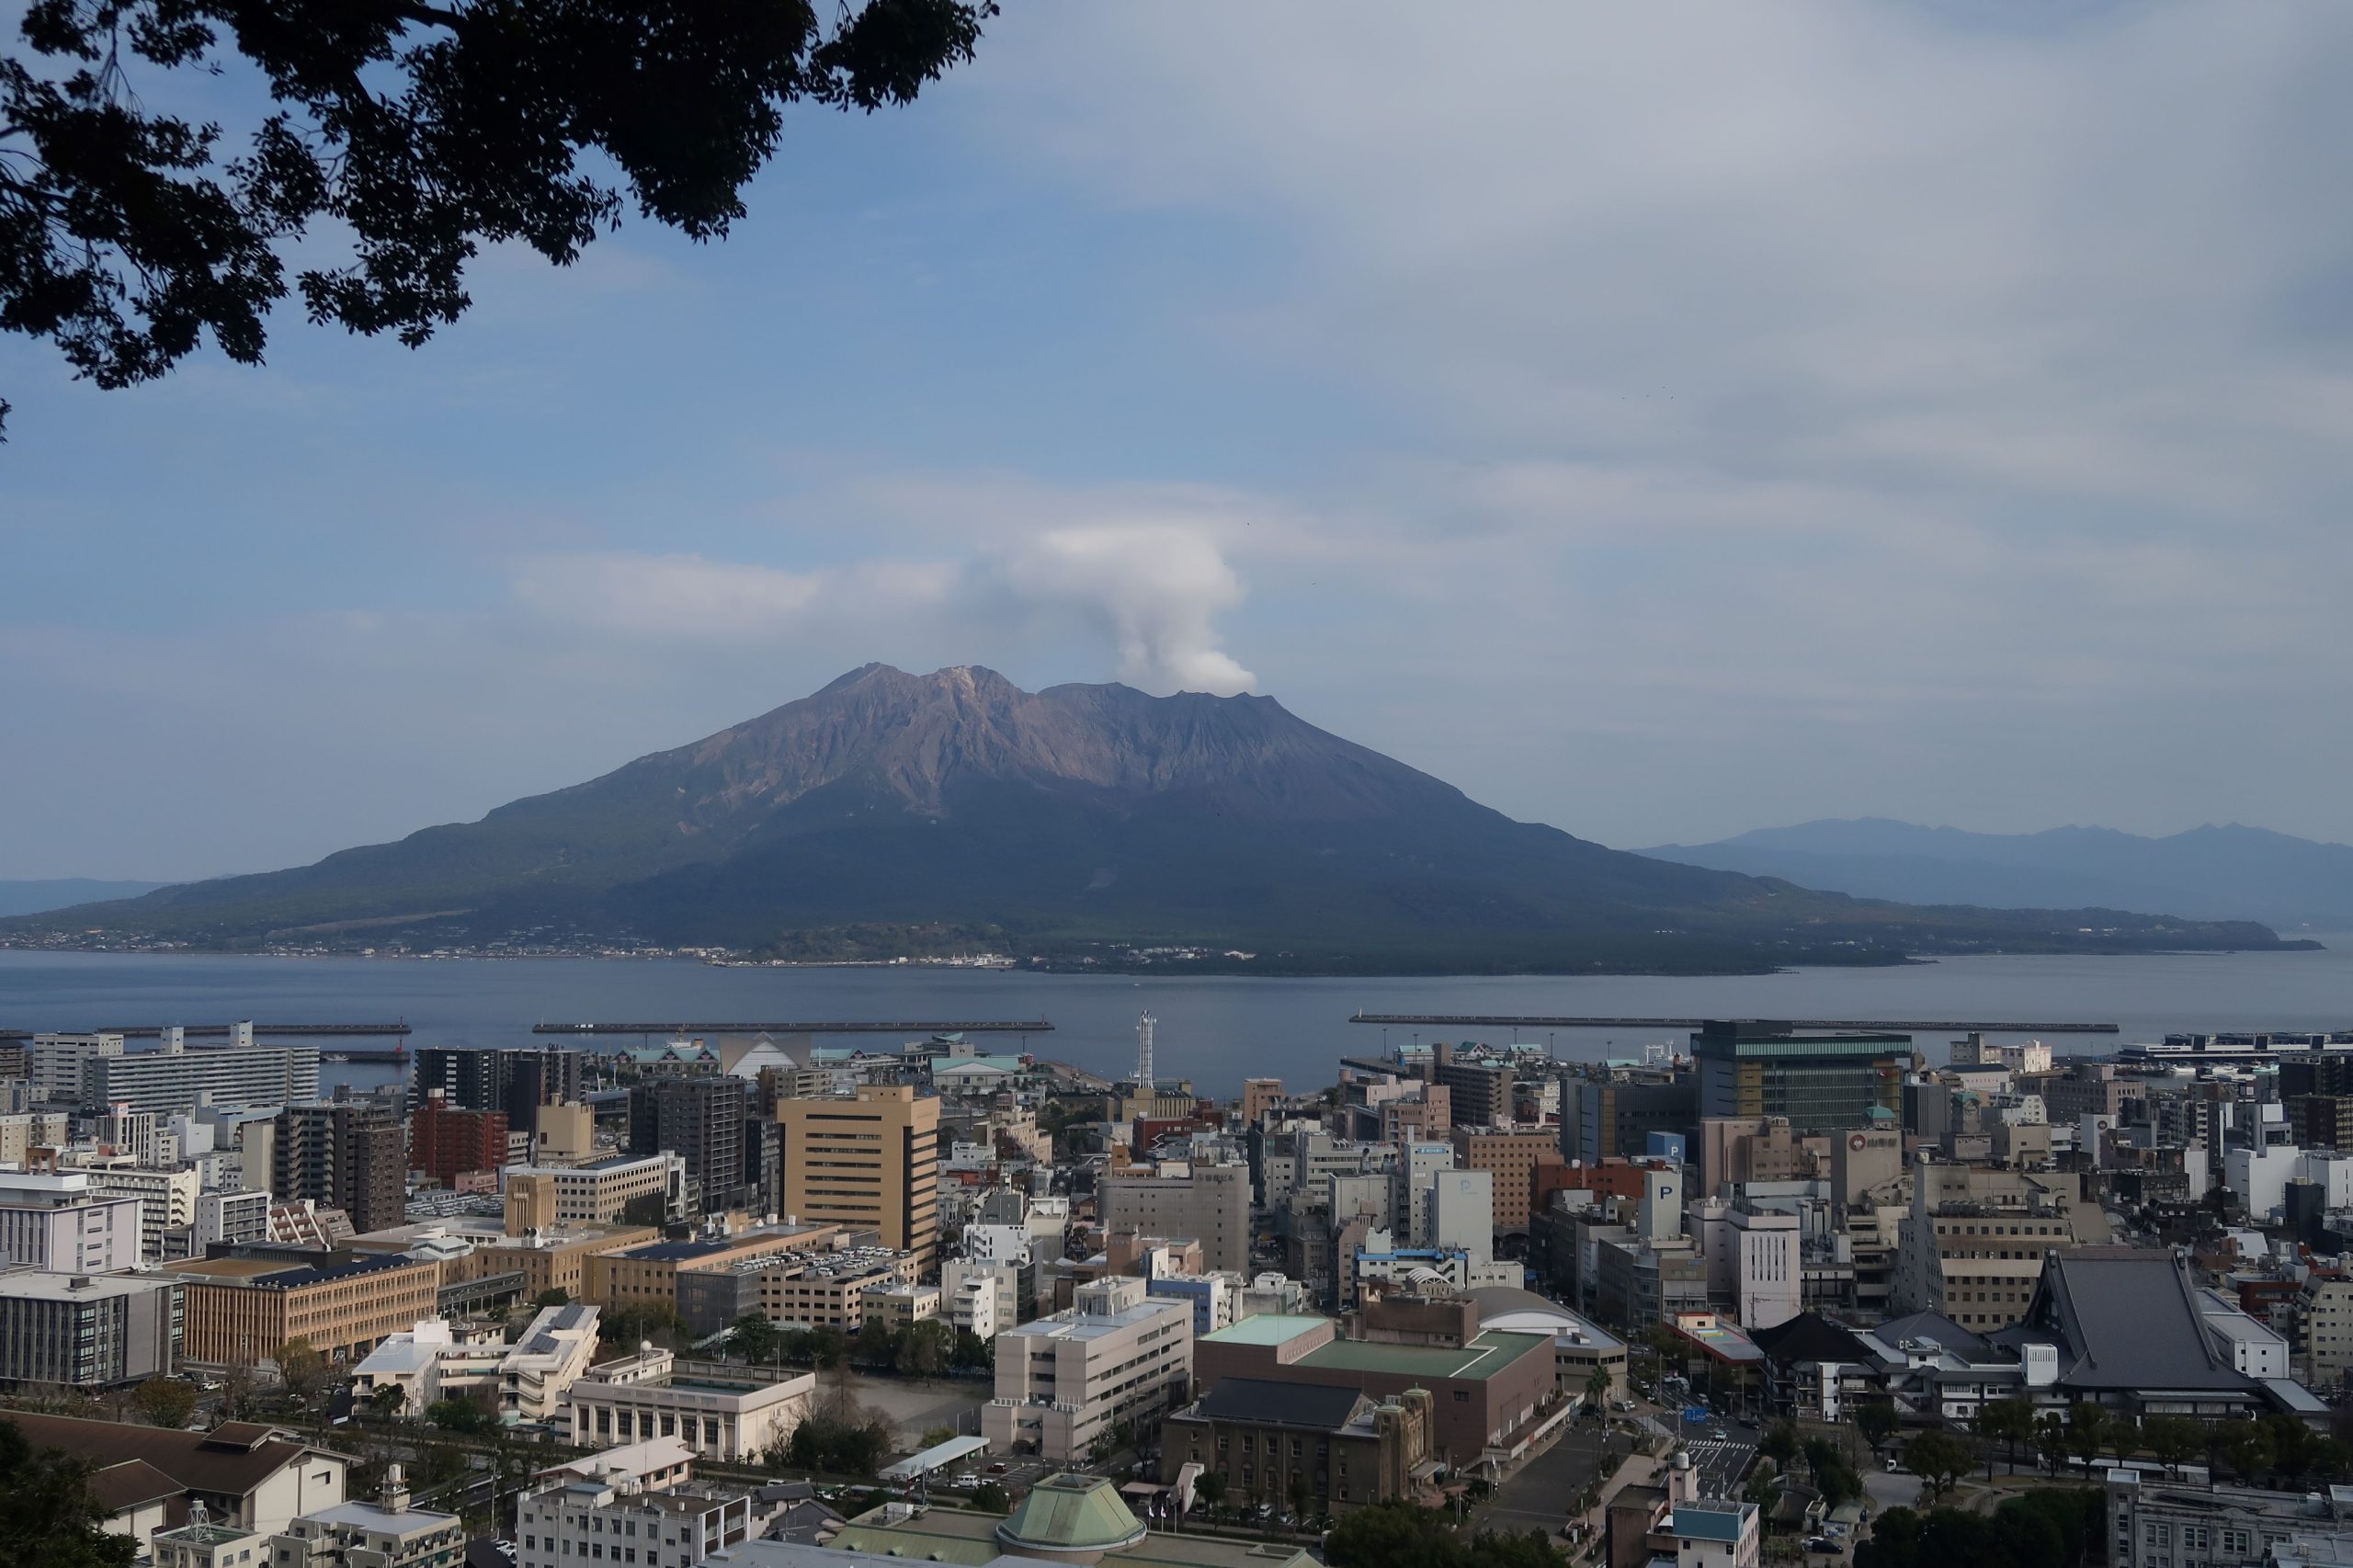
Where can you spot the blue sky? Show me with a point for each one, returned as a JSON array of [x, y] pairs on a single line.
[[1659, 421]]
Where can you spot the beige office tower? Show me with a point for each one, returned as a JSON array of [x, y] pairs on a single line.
[[868, 1162]]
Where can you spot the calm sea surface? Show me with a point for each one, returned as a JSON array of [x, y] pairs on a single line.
[[1216, 1029]]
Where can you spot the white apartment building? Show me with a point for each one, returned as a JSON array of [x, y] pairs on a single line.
[[616, 1521], [22, 1133], [1064, 1382], [53, 1221], [1462, 1213], [970, 1305], [239, 1216], [56, 1062], [166, 1197], [1766, 1267]]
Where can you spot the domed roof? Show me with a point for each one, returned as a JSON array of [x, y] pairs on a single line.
[[1070, 1515]]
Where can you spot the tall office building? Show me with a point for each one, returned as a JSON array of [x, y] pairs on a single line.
[[1211, 1204], [343, 1155], [868, 1162], [517, 1080], [446, 1143], [702, 1120], [1822, 1081]]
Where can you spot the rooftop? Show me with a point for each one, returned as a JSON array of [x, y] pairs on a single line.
[[1481, 1358], [1267, 1328], [1288, 1404], [360, 1515], [1711, 1521]]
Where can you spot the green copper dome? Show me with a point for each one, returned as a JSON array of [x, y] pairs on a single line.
[[1070, 1515]]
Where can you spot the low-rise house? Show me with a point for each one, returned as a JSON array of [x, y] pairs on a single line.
[[246, 1476]]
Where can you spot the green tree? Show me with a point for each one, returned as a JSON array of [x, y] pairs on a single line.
[[304, 1368], [2008, 1421], [555, 1296], [828, 1348], [1876, 1420], [1939, 1459], [48, 1516], [1597, 1387], [935, 1436], [387, 1399], [754, 1337], [2246, 1447], [163, 1401], [924, 1349], [2051, 1440], [990, 1498], [1779, 1444], [2087, 1432], [2171, 1439], [1301, 1496], [409, 134]]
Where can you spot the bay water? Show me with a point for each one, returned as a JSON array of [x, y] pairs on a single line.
[[1215, 1029]]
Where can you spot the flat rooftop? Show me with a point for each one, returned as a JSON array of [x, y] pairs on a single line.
[[1481, 1358], [1267, 1328]]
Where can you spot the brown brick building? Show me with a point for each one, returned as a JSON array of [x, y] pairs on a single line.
[[446, 1143]]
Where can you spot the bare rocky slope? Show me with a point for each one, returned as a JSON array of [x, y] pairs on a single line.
[[1067, 822]]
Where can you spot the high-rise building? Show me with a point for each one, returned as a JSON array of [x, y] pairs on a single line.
[[1823, 1082], [1974, 1246], [1479, 1093], [1210, 1204], [1511, 1158], [702, 1120], [446, 1143], [869, 1161], [517, 1080], [341, 1155]]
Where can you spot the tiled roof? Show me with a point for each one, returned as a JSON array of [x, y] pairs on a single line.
[[228, 1462]]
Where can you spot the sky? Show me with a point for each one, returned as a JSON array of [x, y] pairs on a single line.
[[1661, 421]]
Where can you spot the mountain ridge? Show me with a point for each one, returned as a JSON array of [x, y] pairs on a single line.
[[2212, 871], [1074, 820]]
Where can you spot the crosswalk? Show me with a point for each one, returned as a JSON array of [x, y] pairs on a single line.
[[1720, 1464]]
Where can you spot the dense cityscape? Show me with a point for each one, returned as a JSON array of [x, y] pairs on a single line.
[[767, 1299]]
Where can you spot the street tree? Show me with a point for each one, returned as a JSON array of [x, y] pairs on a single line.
[[2087, 1432], [1939, 1459], [164, 1402], [1876, 1420], [384, 146]]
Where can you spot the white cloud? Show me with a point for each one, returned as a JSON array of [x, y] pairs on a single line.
[[1156, 589]]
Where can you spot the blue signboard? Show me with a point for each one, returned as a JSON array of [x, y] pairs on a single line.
[[1696, 1413]]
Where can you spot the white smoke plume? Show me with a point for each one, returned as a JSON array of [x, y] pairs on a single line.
[[1158, 589]]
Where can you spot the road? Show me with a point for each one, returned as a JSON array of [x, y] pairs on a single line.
[[1720, 1465], [1537, 1496]]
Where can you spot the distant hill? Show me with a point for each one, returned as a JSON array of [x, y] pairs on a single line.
[[2213, 873], [59, 892], [891, 808]]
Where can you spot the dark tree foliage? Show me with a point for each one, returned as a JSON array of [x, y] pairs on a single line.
[[48, 1516], [420, 128], [1404, 1535], [2042, 1529], [838, 1444]]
